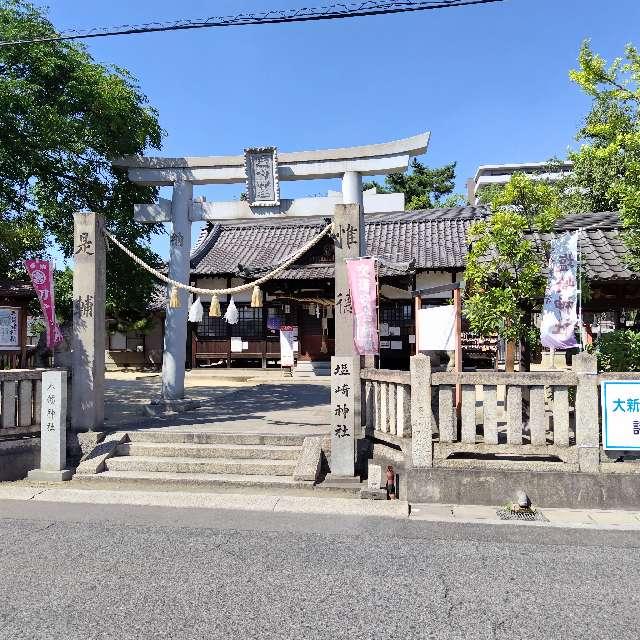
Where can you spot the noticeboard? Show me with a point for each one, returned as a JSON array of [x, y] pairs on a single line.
[[620, 414], [9, 328]]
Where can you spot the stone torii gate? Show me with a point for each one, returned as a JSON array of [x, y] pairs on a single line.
[[262, 169]]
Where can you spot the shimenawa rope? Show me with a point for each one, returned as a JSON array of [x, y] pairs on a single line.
[[248, 285]]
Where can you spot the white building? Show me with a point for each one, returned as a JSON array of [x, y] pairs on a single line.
[[489, 174]]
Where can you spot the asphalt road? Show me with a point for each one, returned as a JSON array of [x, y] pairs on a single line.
[[89, 571]]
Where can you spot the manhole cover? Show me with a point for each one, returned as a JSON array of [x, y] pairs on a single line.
[[504, 513]]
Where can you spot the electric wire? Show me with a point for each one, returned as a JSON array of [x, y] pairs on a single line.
[[304, 14]]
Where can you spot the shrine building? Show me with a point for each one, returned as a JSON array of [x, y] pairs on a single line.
[[415, 250]]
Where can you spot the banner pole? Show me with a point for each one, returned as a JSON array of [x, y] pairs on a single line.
[[580, 322]]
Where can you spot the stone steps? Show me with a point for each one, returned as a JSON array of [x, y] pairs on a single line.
[[239, 466], [194, 450], [210, 459], [306, 369], [215, 481], [213, 437]]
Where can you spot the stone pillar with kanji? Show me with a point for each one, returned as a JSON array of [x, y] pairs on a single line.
[[89, 288], [345, 365]]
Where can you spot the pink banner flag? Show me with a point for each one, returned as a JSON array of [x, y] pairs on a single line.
[[41, 274], [361, 274]]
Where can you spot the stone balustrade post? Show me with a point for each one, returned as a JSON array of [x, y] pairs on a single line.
[[421, 414], [587, 416]]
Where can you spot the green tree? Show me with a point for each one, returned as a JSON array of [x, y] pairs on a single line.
[[424, 188], [606, 172], [504, 272], [63, 117]]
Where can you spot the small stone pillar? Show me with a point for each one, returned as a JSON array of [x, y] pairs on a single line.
[[53, 429], [89, 286], [585, 365], [421, 414], [345, 415]]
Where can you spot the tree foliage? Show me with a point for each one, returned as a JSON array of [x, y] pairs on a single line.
[[504, 272], [424, 188], [606, 174], [63, 117], [619, 351]]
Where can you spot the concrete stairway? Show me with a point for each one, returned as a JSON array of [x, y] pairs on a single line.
[[207, 458]]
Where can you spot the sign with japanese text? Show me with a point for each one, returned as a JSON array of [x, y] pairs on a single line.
[[261, 167], [9, 328], [343, 415], [559, 317], [53, 420], [363, 286], [41, 274], [288, 335], [620, 414]]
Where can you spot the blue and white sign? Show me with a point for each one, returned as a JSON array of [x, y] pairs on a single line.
[[620, 414]]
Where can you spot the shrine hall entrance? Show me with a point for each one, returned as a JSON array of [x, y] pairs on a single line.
[[255, 340]]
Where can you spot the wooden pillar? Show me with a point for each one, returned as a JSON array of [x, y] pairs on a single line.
[[23, 336], [417, 305], [457, 303]]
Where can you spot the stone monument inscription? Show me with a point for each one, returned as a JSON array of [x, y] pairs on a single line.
[[53, 428], [343, 416]]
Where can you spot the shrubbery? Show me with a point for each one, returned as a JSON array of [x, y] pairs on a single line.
[[619, 351]]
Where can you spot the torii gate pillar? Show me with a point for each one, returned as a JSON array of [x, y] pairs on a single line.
[[175, 324]]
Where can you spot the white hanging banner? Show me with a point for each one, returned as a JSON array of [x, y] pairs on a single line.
[[559, 316], [436, 328]]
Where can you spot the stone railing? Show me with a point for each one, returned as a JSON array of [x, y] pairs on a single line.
[[525, 420], [20, 402], [532, 420], [387, 401]]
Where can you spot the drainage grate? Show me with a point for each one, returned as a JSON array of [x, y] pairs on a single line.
[[528, 515]]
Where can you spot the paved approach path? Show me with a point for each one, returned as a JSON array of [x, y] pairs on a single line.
[[235, 403], [121, 572]]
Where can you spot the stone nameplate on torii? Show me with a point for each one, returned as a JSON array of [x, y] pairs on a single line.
[[263, 187]]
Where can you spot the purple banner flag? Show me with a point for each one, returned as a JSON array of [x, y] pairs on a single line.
[[361, 273], [559, 317]]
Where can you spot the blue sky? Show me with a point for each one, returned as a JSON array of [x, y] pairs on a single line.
[[490, 81]]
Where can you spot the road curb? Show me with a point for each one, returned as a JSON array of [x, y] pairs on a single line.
[[185, 500]]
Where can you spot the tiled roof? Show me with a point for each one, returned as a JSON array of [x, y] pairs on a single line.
[[432, 239], [16, 289], [602, 252]]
